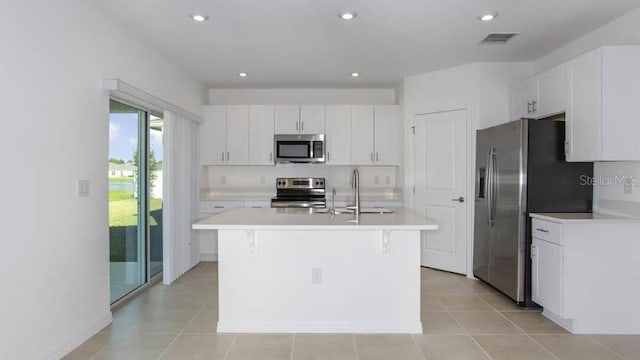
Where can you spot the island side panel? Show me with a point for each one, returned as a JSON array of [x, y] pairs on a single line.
[[319, 281]]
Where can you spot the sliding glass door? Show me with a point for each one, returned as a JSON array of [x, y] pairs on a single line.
[[135, 198]]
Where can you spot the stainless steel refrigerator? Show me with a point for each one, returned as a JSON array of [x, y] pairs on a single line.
[[520, 169]]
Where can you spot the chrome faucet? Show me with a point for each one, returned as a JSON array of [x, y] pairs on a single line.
[[355, 184]]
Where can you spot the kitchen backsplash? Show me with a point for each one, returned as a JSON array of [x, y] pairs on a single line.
[[617, 188], [265, 176]]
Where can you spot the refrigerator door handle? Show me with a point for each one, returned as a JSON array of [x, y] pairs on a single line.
[[494, 186], [487, 186]]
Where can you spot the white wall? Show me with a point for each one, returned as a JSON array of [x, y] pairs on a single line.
[[609, 196], [54, 263], [301, 96], [480, 88], [624, 30]]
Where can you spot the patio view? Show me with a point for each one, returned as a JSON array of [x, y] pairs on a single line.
[[135, 188]]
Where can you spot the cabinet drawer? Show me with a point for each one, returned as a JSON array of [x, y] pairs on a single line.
[[214, 207], [547, 230]]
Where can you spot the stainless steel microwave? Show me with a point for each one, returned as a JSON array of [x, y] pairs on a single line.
[[302, 148]]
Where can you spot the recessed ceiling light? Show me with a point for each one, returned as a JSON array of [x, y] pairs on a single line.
[[199, 17], [355, 74], [488, 16], [243, 74], [348, 15]]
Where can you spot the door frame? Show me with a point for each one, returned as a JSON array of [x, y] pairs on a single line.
[[471, 128], [144, 230]]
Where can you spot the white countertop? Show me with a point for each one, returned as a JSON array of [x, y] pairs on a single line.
[[302, 219], [582, 217]]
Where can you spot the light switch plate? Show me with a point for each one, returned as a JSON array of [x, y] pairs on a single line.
[[83, 188]]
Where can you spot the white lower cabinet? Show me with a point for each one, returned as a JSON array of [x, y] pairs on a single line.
[[586, 273], [546, 275], [208, 240]]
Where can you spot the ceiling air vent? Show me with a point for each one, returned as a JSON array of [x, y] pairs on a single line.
[[498, 38]]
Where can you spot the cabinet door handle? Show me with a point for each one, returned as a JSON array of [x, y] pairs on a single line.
[[533, 106], [542, 230], [218, 207], [528, 107], [328, 156], [222, 156], [270, 156], [566, 147], [227, 156], [297, 127], [371, 157], [377, 156], [301, 125]]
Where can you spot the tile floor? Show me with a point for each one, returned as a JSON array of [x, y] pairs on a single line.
[[462, 319]]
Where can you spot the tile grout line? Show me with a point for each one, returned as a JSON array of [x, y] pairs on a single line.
[[355, 346], [521, 329], [606, 347], [230, 346], [416, 344], [462, 327], [293, 346], [183, 329]]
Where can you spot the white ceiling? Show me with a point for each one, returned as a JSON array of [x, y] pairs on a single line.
[[303, 43]]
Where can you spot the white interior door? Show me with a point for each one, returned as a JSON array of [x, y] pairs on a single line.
[[440, 163]]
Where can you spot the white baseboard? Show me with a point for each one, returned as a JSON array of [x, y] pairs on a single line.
[[566, 324], [82, 337], [208, 257], [327, 328]]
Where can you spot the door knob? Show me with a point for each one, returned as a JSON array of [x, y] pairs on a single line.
[[460, 199]]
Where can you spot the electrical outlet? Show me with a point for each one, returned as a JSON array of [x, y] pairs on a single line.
[[316, 276], [83, 188]]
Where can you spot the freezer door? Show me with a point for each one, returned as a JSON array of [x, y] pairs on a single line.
[[482, 230], [506, 263]]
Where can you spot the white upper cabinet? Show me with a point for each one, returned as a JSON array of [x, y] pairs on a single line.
[[287, 119], [375, 135], [603, 118], [553, 91], [362, 152], [237, 135], [542, 95], [224, 135], [524, 99], [261, 125], [306, 119], [338, 135], [312, 119], [386, 139], [354, 134], [213, 135]]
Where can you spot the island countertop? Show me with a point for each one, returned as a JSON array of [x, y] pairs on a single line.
[[304, 219]]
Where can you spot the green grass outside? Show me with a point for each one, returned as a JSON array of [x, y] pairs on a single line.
[[123, 219], [123, 207]]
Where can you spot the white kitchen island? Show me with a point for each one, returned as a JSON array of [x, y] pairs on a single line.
[[288, 270]]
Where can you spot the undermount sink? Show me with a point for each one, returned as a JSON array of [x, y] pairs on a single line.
[[339, 211]]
